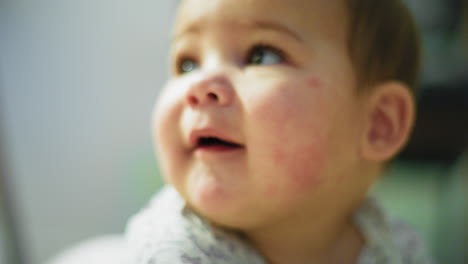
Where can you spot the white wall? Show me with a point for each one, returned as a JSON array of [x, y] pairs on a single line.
[[79, 78]]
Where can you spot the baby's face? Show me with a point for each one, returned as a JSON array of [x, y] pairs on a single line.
[[260, 119]]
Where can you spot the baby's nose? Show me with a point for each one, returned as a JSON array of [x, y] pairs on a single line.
[[210, 89]]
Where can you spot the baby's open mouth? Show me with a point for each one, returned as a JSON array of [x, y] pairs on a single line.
[[214, 142]]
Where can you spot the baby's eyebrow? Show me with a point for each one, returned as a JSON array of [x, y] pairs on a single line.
[[268, 25], [249, 24]]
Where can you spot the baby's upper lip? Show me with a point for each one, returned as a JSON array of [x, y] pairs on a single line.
[[209, 132]]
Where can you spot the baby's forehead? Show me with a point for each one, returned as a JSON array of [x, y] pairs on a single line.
[[302, 16]]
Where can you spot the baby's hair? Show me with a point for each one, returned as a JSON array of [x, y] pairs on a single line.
[[384, 43]]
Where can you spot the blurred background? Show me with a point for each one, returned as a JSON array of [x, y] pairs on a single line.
[[78, 81]]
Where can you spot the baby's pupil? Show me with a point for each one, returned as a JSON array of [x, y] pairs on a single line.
[[257, 57]]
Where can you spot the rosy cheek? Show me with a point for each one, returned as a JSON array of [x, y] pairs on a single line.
[[275, 108], [292, 137]]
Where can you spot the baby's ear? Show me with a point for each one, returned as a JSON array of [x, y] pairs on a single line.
[[390, 117]]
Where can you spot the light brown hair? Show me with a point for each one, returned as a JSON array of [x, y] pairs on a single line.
[[384, 43]]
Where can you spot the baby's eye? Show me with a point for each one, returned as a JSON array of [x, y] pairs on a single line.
[[186, 65], [265, 55]]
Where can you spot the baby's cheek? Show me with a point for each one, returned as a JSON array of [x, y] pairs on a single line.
[[290, 135], [167, 142], [314, 83], [294, 173], [294, 181], [303, 168]]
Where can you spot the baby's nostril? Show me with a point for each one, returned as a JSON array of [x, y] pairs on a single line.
[[192, 100], [213, 96]]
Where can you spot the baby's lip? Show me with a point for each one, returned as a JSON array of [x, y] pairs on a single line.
[[196, 136]]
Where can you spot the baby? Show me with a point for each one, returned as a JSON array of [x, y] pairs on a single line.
[[277, 119]]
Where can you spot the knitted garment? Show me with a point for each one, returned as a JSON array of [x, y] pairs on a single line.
[[168, 232]]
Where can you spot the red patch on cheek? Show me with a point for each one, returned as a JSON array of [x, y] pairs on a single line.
[[314, 82], [306, 169], [304, 181], [272, 190], [303, 169]]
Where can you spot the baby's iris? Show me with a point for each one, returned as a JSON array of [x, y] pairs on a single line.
[[188, 65], [264, 55]]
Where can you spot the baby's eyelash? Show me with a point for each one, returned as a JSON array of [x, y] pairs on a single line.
[[263, 45]]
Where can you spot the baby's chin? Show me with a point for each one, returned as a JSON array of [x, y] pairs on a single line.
[[222, 206]]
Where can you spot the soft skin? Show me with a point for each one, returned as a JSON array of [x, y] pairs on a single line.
[[306, 160]]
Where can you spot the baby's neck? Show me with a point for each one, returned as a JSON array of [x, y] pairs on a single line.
[[326, 242]]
